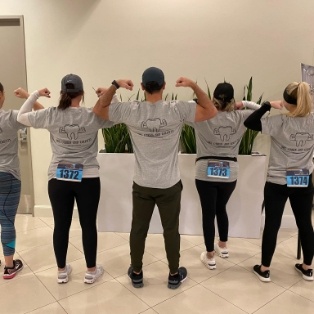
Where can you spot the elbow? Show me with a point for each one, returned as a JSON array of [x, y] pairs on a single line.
[[19, 118]]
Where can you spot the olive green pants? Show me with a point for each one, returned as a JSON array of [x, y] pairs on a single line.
[[168, 202]]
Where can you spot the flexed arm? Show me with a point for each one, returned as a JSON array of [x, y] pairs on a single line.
[[22, 93], [253, 121], [26, 108], [205, 108], [102, 105]]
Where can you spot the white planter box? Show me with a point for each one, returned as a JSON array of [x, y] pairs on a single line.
[[244, 207]]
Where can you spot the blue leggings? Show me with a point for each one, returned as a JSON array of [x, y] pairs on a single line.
[[10, 190]]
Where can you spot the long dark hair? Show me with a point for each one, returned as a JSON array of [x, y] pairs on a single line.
[[1, 88], [66, 98]]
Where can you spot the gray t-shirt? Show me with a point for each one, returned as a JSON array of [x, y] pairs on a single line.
[[155, 131], [9, 160], [220, 136], [292, 145], [73, 136]]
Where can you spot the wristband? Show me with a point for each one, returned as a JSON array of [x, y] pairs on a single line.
[[114, 83]]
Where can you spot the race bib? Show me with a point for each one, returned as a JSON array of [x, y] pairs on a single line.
[[218, 169], [298, 178], [69, 172]]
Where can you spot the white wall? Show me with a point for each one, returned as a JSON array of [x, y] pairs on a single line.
[[203, 39]]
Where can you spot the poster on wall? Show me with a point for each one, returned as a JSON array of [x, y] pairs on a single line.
[[307, 72]]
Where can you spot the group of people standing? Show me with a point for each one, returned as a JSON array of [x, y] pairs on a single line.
[[155, 127]]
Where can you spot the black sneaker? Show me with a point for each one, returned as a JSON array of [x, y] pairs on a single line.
[[137, 279], [174, 281], [10, 272], [262, 275], [306, 274]]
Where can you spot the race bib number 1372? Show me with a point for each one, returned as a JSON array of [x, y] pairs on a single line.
[[69, 172]]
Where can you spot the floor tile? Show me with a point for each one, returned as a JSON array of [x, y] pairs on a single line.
[[75, 283], [54, 308], [27, 222], [282, 270], [287, 303], [242, 288], [32, 295], [204, 301], [304, 288], [110, 297], [197, 271], [43, 257], [116, 261], [33, 238], [231, 288], [106, 240], [155, 288]]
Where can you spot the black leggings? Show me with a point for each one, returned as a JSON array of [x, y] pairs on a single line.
[[62, 195], [214, 197], [275, 196]]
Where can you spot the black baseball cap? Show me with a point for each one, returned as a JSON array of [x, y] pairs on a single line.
[[224, 92]]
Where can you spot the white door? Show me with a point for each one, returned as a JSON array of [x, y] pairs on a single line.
[[12, 76]]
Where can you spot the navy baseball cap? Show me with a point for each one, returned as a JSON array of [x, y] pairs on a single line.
[[153, 74]]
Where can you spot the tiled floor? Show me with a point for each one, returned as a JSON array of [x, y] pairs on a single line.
[[231, 288]]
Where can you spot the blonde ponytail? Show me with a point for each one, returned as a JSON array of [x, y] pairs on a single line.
[[301, 92]]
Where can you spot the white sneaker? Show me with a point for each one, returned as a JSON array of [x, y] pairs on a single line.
[[209, 262], [91, 277], [221, 251], [63, 276]]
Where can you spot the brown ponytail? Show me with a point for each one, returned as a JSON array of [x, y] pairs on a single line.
[[66, 99]]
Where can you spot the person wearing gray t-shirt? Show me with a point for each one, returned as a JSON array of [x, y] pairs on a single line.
[[289, 173], [216, 169], [10, 181], [155, 127], [73, 172]]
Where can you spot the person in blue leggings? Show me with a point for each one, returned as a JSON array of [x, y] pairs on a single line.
[[10, 182]]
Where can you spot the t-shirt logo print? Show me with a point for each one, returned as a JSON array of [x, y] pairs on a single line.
[[301, 138], [225, 132], [154, 125], [72, 131]]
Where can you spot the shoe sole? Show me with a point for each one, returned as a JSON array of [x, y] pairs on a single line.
[[220, 253], [90, 281], [263, 279], [136, 285], [12, 275], [63, 280], [171, 286], [224, 255], [211, 267], [303, 276]]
